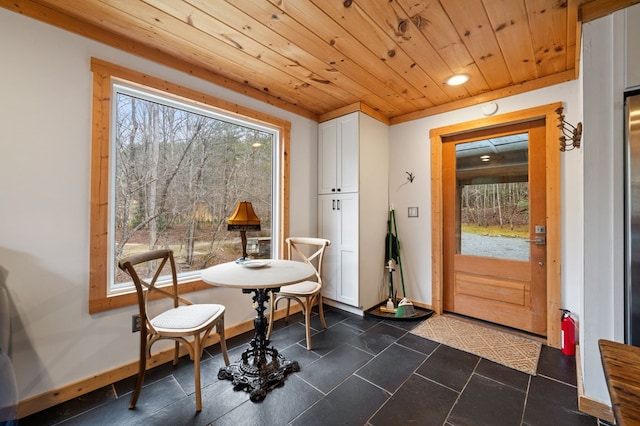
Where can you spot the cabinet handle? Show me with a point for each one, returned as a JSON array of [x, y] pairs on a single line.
[[334, 204], [333, 190], [338, 204], [338, 189]]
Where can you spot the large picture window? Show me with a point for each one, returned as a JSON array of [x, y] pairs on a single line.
[[176, 164], [179, 171]]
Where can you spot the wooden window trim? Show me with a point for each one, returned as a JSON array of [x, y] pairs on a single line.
[[103, 72]]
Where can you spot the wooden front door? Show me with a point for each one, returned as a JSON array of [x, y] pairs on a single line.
[[494, 225]]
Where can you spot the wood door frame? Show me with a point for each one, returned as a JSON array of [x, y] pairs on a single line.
[[553, 219]]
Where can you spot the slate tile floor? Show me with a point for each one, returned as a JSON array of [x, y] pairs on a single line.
[[362, 371]]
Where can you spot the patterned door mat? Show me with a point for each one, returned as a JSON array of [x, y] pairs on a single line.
[[509, 350]]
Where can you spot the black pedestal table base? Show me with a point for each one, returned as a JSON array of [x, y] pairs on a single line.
[[261, 368], [258, 380]]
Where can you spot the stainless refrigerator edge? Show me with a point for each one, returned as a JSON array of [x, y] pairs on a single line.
[[632, 218]]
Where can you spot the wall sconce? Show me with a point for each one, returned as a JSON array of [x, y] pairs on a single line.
[[243, 219], [410, 177], [571, 135]]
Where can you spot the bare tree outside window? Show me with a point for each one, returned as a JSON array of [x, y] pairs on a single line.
[[493, 191], [179, 173]]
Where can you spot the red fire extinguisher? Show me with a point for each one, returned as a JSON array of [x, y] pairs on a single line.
[[568, 331]]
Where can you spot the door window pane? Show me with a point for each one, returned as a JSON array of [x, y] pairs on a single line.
[[493, 197]]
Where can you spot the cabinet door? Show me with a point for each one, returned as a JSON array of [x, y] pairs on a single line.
[[348, 161], [338, 222], [328, 223], [327, 156], [347, 244], [338, 144]]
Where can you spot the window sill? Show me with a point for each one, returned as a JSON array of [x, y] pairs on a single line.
[[131, 299]]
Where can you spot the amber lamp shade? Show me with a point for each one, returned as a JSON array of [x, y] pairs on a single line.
[[243, 219]]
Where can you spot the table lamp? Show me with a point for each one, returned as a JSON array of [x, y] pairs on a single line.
[[243, 219]]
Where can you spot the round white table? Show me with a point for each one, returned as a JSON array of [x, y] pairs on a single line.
[[274, 274], [261, 367]]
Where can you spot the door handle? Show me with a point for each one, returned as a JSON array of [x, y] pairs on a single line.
[[539, 241]]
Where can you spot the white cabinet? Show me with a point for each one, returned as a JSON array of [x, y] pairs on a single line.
[[353, 153], [338, 155]]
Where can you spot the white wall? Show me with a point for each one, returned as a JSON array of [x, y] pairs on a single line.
[[632, 48], [45, 142], [609, 69], [411, 152]]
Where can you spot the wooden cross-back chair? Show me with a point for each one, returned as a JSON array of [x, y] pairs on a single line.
[[306, 293], [186, 323]]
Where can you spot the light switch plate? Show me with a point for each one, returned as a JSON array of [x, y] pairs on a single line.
[[412, 212]]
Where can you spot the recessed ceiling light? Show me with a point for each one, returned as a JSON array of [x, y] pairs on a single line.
[[457, 79]]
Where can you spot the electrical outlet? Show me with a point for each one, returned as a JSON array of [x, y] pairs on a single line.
[[135, 323]]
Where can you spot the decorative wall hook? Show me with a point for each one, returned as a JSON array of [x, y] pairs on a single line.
[[571, 135], [410, 177]]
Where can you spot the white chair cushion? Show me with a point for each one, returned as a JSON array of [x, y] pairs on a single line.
[[185, 317], [305, 287]]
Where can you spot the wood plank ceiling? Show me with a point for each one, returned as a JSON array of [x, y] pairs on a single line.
[[315, 57]]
